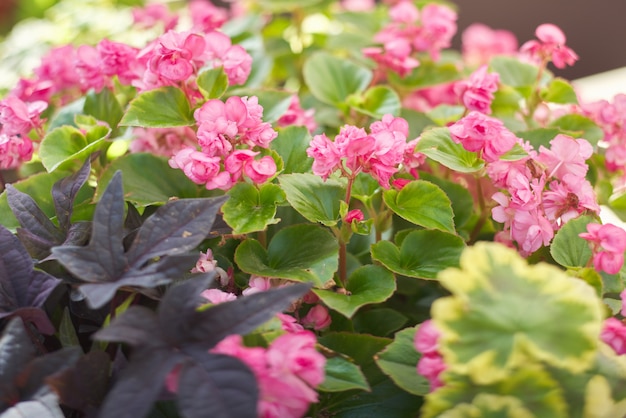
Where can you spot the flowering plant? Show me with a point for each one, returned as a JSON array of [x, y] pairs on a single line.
[[312, 208]]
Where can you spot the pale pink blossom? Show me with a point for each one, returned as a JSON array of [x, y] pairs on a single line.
[[206, 17], [198, 166], [216, 296], [18, 117], [614, 334], [162, 141], [296, 115], [237, 63], [530, 229], [550, 46], [234, 164], [257, 284], [608, 246], [480, 133], [153, 14], [207, 264], [566, 155], [430, 364], [295, 353], [427, 338], [439, 27], [289, 323], [477, 93], [261, 170], [177, 55], [358, 5], [326, 157], [395, 55], [14, 150], [317, 318], [480, 43]]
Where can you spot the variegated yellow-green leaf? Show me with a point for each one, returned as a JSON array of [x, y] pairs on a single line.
[[505, 313]]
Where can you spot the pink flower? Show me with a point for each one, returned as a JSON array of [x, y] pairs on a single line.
[[237, 63], [295, 353], [289, 323], [176, 56], [480, 133], [257, 284], [427, 338], [162, 141], [431, 366], [235, 162], [18, 117], [614, 334], [118, 59], [354, 215], [216, 296], [480, 43], [88, 68], [325, 154], [259, 171], [439, 27], [318, 318], [566, 155], [199, 167], [608, 246], [296, 115], [395, 55], [531, 230], [358, 5], [478, 92], [14, 150], [154, 13], [622, 296], [205, 16], [550, 47]]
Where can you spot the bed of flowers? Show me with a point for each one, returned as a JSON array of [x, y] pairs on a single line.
[[308, 208]]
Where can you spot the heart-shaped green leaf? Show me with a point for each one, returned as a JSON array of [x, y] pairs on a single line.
[[65, 144], [252, 209], [315, 199], [568, 249], [422, 203], [422, 254], [164, 107], [378, 101], [367, 284], [212, 83], [437, 145], [559, 91], [291, 144], [399, 361], [304, 253], [332, 79], [342, 375]]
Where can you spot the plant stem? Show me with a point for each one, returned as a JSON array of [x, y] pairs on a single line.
[[483, 214], [343, 263], [262, 237]]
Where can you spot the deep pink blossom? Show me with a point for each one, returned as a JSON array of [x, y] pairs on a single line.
[[427, 338], [608, 246], [317, 318], [18, 117], [89, 69], [14, 150], [550, 46], [430, 364], [326, 156], [480, 133], [118, 59], [296, 115], [477, 93], [177, 55], [480, 43], [439, 27], [354, 215], [289, 323], [614, 334]]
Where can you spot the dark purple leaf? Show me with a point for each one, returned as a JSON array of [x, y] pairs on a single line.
[[137, 326], [37, 246], [33, 376], [64, 192], [16, 350], [20, 285], [140, 383], [83, 387], [78, 233], [175, 228], [240, 316], [217, 386], [31, 217]]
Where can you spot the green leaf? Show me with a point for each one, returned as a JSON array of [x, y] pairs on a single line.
[[514, 154], [252, 209], [579, 126], [378, 101], [67, 114], [538, 137], [460, 198], [67, 145], [526, 312], [568, 249], [418, 121], [212, 83], [274, 102], [315, 199], [367, 284], [399, 361], [379, 321], [427, 74], [438, 145], [444, 114], [559, 91], [422, 254], [513, 72], [422, 203], [104, 106], [331, 79], [291, 144], [304, 253], [148, 179], [342, 375], [164, 107]]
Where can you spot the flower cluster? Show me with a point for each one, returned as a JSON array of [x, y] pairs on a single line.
[[17, 120], [227, 133], [550, 47], [477, 93], [431, 364], [410, 31], [608, 243], [480, 43], [354, 150]]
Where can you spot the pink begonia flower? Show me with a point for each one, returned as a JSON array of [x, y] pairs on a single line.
[[14, 150], [162, 141], [354, 215], [257, 284], [566, 156], [426, 99], [439, 27], [236, 61], [118, 59], [399, 184], [216, 296], [234, 164], [550, 46], [296, 115], [153, 14], [480, 43], [531, 230], [206, 17], [608, 246], [567, 199], [427, 338], [395, 55], [358, 5], [614, 334], [326, 157], [198, 166], [318, 318], [289, 323], [259, 171], [207, 264], [477, 93], [295, 353], [89, 69], [18, 117], [56, 74], [478, 132], [177, 55]]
